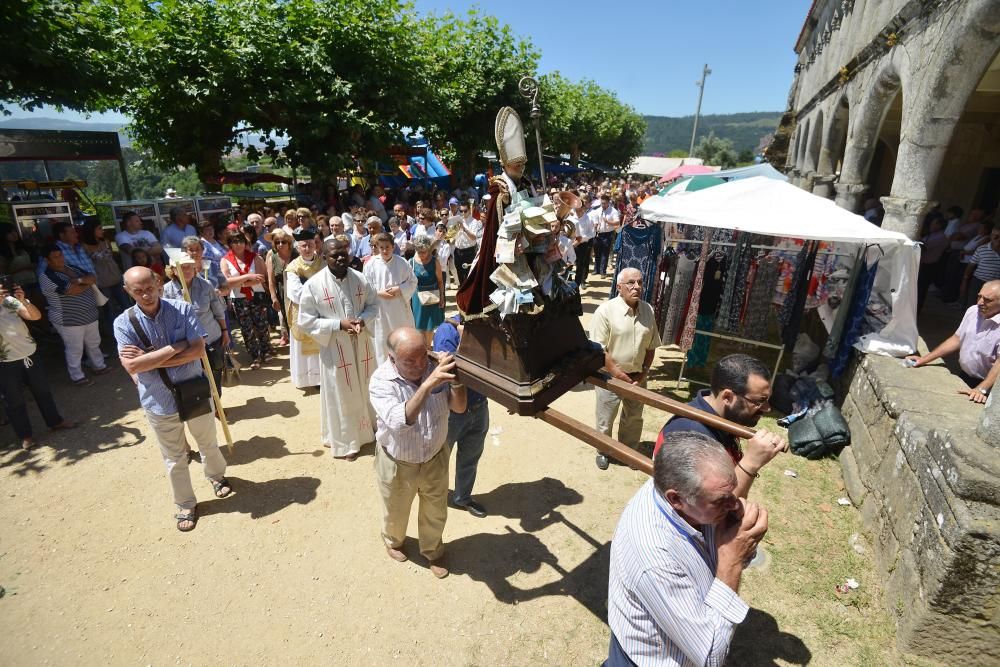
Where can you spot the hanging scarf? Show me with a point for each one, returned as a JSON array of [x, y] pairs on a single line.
[[248, 256], [855, 318], [687, 335], [791, 311]]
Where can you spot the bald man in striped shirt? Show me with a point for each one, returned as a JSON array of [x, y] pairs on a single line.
[[677, 559]]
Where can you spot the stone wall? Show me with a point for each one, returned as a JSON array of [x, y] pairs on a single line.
[[929, 492]]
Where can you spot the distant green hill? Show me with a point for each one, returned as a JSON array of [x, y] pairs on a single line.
[[666, 133]]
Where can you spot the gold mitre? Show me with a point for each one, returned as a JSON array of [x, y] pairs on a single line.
[[510, 137]]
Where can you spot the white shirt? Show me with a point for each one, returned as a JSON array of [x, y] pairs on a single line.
[[463, 241], [585, 227], [606, 219]]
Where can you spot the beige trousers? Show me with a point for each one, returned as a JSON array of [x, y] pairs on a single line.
[[630, 426], [169, 430], [398, 483]]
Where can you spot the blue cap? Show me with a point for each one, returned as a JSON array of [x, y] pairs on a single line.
[[453, 200]]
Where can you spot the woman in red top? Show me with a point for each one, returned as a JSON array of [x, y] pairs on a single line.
[[246, 275]]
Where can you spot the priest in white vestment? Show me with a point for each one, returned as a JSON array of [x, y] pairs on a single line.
[[392, 278], [303, 357], [337, 308]]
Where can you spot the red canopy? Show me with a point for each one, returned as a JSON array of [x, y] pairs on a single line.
[[685, 170]]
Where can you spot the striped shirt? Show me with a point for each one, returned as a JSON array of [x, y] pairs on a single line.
[[987, 263], [175, 321], [75, 256], [665, 606], [64, 309], [411, 443]]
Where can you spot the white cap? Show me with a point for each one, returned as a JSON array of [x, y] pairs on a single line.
[[510, 137]]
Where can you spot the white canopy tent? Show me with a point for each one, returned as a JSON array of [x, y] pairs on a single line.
[[773, 207]]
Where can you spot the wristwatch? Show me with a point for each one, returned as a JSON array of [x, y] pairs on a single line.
[[984, 392]]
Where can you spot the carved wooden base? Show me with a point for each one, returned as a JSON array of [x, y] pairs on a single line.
[[524, 362]]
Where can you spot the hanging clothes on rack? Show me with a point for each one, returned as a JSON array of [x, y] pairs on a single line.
[[855, 318], [638, 247], [714, 283], [683, 276], [664, 286], [687, 334], [795, 302], [759, 298], [736, 285]]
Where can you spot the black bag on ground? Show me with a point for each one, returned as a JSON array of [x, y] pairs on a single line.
[[193, 396], [819, 434]]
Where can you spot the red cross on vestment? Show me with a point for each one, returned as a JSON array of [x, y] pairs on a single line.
[[368, 358], [344, 365], [329, 301], [361, 296]]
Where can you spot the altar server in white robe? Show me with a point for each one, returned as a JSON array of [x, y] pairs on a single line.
[[337, 309], [303, 357], [392, 278]]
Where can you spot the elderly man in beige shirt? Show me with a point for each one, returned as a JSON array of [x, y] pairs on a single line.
[[626, 328]]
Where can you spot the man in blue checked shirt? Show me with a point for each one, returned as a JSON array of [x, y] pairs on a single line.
[[677, 559], [178, 342]]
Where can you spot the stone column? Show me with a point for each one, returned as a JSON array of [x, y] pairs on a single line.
[[989, 425], [850, 196], [807, 180], [823, 185], [905, 215]]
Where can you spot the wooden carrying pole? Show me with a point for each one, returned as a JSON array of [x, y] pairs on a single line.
[[208, 369], [651, 398], [611, 447]]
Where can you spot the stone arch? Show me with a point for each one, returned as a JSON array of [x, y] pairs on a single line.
[[815, 141], [800, 159], [967, 51], [835, 142], [864, 126]]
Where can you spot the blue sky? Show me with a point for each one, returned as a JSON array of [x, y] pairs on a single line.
[[650, 52]]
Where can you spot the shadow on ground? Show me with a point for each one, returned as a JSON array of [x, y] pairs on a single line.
[[759, 642], [261, 499], [495, 559], [259, 408]]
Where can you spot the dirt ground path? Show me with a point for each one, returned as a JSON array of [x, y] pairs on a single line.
[[291, 568]]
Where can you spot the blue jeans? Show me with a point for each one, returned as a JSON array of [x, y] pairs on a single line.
[[468, 431]]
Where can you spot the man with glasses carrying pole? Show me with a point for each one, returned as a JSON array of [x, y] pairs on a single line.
[[740, 391]]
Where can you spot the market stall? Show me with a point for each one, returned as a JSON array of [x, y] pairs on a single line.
[[759, 249]]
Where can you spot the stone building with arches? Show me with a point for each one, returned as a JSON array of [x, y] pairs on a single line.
[[897, 100]]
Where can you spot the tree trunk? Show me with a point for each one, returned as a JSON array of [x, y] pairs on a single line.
[[574, 154]]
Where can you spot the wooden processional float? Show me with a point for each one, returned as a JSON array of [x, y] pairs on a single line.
[[528, 358]]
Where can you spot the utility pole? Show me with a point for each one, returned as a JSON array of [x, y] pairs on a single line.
[[701, 91]]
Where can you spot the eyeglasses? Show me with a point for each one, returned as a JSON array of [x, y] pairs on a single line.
[[463, 210], [756, 403], [282, 243], [339, 254]]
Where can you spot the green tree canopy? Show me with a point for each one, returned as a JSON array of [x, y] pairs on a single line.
[[61, 52], [585, 120], [716, 152], [475, 64]]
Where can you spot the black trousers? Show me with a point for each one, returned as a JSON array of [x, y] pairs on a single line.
[[583, 262], [14, 375], [464, 257]]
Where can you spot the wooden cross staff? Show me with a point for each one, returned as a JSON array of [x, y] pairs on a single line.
[[208, 367]]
